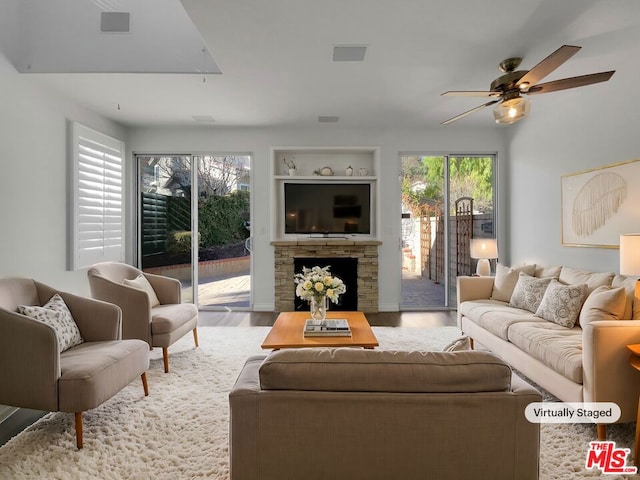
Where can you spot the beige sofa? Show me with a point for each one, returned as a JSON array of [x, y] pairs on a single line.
[[363, 414], [588, 362]]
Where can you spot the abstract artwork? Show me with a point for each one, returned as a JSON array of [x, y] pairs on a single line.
[[600, 204]]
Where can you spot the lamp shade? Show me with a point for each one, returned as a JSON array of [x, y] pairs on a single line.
[[484, 248], [630, 254], [510, 111]]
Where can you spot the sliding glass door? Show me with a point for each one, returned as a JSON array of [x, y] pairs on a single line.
[[194, 225], [446, 201]]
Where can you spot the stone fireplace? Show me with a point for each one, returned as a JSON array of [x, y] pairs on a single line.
[[365, 251]]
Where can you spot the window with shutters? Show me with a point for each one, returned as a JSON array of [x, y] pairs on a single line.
[[97, 203]]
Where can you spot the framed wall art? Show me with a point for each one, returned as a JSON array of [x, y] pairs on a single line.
[[600, 204]]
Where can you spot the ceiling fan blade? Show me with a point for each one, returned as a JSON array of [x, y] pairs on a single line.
[[549, 64], [571, 82], [470, 93], [458, 117]]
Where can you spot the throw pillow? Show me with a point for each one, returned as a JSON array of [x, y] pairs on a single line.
[[632, 310], [56, 314], [141, 283], [459, 344], [573, 276], [528, 292], [561, 303], [604, 303], [506, 279]]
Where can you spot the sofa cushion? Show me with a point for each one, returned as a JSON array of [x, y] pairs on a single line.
[[542, 271], [496, 317], [506, 279], [573, 276], [632, 308], [167, 318], [56, 314], [529, 292], [557, 347], [561, 303], [604, 303], [359, 370]]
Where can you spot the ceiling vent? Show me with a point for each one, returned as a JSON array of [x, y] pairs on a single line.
[[203, 118], [114, 22], [346, 53], [328, 119]]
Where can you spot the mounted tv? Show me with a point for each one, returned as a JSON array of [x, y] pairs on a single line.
[[327, 208]]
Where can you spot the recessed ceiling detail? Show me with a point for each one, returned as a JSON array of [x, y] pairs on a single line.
[[349, 53]]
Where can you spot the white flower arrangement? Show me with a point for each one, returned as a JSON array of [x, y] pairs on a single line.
[[317, 282]]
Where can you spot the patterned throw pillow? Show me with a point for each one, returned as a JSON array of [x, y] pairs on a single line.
[[561, 303], [56, 314], [528, 292]]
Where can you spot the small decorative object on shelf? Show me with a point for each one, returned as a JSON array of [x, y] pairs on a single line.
[[349, 171], [291, 165], [316, 285], [324, 171], [363, 172]]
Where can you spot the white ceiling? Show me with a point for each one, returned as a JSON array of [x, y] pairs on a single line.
[[276, 56]]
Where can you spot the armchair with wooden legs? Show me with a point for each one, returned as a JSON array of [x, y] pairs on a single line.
[[35, 373], [160, 319]]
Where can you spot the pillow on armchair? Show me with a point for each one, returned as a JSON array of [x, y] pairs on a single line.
[[56, 314], [141, 283]]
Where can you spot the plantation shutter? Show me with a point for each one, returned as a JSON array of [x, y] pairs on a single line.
[[98, 198]]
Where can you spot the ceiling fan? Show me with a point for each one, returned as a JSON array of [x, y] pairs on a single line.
[[509, 90]]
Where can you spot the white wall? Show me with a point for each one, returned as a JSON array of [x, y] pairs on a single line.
[[33, 178], [258, 142], [567, 132]]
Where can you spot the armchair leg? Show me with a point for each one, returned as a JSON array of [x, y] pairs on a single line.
[[195, 336], [602, 432], [165, 359], [471, 343], [79, 430], [144, 384]]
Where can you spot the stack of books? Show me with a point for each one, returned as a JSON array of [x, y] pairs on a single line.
[[335, 327]]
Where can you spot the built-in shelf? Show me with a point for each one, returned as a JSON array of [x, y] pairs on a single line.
[[365, 162]]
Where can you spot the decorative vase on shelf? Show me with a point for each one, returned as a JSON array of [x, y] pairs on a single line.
[[292, 172], [318, 308], [349, 171]]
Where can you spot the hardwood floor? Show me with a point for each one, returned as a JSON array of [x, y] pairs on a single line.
[[208, 318]]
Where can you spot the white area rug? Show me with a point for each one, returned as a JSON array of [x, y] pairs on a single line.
[[181, 430]]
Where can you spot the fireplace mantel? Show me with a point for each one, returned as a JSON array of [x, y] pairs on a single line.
[[366, 251]]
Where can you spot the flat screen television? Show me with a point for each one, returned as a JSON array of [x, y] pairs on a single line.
[[327, 208]]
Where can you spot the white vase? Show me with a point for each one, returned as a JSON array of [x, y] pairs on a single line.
[[292, 172], [318, 308]]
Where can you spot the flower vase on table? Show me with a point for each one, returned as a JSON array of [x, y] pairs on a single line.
[[317, 286], [318, 308]]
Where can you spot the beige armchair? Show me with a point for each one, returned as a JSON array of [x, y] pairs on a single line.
[[160, 325], [35, 374]]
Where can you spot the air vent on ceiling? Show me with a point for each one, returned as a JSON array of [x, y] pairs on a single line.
[[346, 53], [114, 22], [203, 118], [328, 119]]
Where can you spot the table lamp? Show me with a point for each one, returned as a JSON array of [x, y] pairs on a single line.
[[483, 249], [630, 257]]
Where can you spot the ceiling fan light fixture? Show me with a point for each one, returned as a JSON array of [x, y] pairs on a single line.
[[510, 111]]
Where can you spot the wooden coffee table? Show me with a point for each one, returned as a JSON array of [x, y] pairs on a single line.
[[287, 332]]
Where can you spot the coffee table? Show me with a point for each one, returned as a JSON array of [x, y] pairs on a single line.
[[287, 332]]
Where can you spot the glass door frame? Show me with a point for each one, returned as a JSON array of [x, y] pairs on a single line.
[[137, 241], [447, 216]]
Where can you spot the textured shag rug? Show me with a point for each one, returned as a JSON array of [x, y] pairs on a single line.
[[181, 430]]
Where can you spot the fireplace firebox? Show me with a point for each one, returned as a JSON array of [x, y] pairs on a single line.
[[344, 268]]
